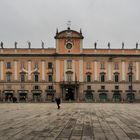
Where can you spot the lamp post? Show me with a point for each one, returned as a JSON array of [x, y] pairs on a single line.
[[52, 85], [131, 89]]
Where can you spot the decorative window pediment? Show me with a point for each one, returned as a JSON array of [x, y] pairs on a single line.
[[69, 72]]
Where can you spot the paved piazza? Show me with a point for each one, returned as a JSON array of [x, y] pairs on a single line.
[[74, 121]]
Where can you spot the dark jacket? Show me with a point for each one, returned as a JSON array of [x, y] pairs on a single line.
[[58, 101]]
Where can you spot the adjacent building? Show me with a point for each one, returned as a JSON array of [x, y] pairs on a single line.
[[70, 71]]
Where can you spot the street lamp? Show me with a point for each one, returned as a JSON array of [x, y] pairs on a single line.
[[52, 85], [131, 79]]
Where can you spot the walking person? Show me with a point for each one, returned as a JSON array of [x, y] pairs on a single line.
[[58, 102]]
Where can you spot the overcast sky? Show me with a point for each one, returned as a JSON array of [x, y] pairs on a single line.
[[100, 20]]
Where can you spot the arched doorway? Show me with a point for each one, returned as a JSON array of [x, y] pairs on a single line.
[[8, 97], [130, 97], [117, 97], [22, 96], [103, 97]]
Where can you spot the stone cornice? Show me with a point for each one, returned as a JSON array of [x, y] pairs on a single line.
[[68, 55]]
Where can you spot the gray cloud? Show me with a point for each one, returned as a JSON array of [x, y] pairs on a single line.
[[102, 20]]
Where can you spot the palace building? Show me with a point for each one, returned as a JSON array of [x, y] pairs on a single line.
[[70, 71]]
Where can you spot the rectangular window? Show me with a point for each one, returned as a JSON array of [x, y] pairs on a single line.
[[102, 65], [116, 66], [22, 65], [36, 87], [8, 66], [88, 65], [69, 64], [116, 78], [50, 79], [130, 87], [50, 87], [102, 87], [22, 86], [36, 78], [116, 87], [130, 78], [130, 64], [88, 78], [50, 65], [36, 64], [22, 78], [89, 87], [102, 78], [69, 77], [8, 77]]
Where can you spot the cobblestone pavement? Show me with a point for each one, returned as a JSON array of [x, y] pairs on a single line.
[[74, 121]]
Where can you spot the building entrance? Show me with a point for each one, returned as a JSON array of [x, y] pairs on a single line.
[[36, 97], [22, 96], [8, 96], [69, 93]]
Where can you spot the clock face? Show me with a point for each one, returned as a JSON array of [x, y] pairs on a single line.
[[68, 45]]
